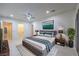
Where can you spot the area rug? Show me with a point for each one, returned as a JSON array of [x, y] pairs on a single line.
[[55, 51], [25, 52]]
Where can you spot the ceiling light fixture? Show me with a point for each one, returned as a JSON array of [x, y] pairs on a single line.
[[11, 15], [47, 11]]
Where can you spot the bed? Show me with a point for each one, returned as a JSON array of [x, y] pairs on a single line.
[[40, 46]]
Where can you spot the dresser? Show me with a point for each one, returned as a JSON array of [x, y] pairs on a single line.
[[5, 49]]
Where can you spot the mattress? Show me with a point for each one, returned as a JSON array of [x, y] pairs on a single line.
[[50, 39]]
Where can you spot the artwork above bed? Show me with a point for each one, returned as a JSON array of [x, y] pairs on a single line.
[[48, 25]]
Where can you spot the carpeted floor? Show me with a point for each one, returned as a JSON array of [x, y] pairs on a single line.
[[62, 51]]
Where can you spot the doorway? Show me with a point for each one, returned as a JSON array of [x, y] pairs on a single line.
[[21, 31], [7, 30]]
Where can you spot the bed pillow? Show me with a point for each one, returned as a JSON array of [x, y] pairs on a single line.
[[47, 35]]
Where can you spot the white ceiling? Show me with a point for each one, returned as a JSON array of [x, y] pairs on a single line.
[[37, 10]]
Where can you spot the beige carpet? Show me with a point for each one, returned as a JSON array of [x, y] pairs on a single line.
[[66, 51], [62, 51]]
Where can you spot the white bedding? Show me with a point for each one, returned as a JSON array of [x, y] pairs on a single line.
[[50, 39]]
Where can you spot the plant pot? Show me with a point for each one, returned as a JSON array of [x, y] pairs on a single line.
[[71, 43]]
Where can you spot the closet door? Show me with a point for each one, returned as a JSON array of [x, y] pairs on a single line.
[[77, 26]]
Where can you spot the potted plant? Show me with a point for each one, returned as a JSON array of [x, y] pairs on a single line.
[[71, 34]]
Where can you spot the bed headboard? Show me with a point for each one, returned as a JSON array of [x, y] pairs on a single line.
[[49, 32]]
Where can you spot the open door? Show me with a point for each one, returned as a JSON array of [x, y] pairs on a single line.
[[7, 30]]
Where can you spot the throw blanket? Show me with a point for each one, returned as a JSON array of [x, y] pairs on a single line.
[[45, 42]]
